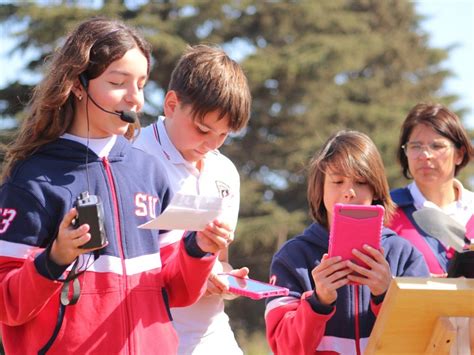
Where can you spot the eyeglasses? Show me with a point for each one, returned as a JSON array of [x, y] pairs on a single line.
[[414, 149]]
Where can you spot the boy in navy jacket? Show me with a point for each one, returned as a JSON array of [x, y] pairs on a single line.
[[323, 313]]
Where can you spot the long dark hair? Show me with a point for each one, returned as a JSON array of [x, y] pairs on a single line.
[[90, 48]]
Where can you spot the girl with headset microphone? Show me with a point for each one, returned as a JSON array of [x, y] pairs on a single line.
[[75, 142]]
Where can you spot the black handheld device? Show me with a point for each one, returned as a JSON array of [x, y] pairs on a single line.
[[462, 265], [91, 211]]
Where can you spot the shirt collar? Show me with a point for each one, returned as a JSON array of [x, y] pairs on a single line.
[[100, 146], [171, 152], [418, 198], [453, 209]]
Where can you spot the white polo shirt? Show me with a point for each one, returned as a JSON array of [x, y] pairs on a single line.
[[460, 210], [203, 328]]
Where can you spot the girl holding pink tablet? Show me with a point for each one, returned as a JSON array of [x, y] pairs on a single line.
[[333, 302]]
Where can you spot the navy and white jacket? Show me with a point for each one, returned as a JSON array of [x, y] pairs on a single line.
[[300, 324], [126, 293]]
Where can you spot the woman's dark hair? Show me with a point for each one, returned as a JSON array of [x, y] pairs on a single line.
[[443, 121]]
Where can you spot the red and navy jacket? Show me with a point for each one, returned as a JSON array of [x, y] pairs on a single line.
[[299, 324], [126, 293], [435, 253]]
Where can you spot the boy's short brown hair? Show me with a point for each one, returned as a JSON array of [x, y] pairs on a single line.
[[208, 80]]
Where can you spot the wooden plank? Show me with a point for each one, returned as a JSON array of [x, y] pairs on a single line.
[[443, 337], [411, 309]]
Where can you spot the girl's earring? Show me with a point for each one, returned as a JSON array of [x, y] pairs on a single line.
[[80, 97]]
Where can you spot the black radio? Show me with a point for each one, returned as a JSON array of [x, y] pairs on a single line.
[[91, 211]]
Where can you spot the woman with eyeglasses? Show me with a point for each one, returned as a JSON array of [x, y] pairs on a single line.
[[433, 148]]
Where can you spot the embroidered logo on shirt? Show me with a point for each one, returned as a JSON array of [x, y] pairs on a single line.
[[223, 189], [145, 205]]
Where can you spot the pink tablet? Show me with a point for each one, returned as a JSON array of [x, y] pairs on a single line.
[[352, 227], [252, 288]]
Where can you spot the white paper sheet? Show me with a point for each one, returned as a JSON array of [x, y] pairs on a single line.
[[188, 212]]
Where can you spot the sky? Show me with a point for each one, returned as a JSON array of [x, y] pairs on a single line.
[[448, 22], [451, 22]]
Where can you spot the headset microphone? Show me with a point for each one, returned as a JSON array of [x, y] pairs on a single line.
[[126, 116]]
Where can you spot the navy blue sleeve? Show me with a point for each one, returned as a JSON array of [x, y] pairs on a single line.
[[318, 307], [27, 222], [192, 246], [404, 259], [283, 272], [378, 299], [48, 268]]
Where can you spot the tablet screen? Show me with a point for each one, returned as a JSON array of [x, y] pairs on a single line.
[[253, 288]]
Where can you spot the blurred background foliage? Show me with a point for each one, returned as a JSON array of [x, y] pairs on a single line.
[[314, 67]]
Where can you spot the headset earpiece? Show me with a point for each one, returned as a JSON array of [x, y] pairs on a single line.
[[126, 116], [84, 80]]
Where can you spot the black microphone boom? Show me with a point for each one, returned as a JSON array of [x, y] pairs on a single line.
[[126, 116]]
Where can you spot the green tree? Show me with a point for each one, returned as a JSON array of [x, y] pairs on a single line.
[[313, 66]]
